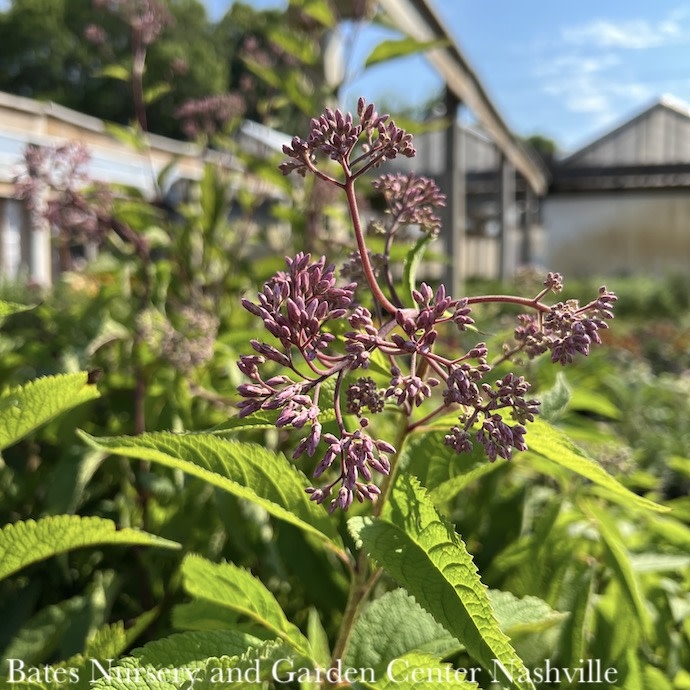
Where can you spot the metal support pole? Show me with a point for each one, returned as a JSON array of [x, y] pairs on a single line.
[[455, 189], [507, 217]]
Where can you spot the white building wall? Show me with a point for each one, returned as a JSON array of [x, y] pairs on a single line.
[[623, 233]]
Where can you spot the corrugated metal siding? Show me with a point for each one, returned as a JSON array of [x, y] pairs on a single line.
[[659, 136]]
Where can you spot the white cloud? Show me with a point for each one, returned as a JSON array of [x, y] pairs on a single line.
[[635, 34], [593, 86]]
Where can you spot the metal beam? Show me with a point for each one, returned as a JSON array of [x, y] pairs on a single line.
[[418, 19]]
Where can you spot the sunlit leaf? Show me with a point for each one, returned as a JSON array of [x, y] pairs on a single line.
[[24, 408], [392, 49], [246, 470], [555, 446], [228, 586], [414, 545]]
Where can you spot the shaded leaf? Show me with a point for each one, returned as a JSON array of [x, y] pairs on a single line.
[[393, 625], [620, 563]]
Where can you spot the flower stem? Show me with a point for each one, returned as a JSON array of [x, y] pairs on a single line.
[[362, 247]]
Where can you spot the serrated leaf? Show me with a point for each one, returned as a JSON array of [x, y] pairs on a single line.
[[170, 663], [424, 554], [556, 447], [412, 261], [415, 670], [394, 625], [397, 48], [263, 663], [24, 408], [242, 469], [620, 563], [23, 543], [236, 589]]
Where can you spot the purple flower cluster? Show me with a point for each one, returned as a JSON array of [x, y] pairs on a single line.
[[147, 18], [55, 183], [207, 116], [336, 135], [411, 200], [566, 329], [301, 307]]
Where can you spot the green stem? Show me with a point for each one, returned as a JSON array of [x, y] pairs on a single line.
[[362, 581]]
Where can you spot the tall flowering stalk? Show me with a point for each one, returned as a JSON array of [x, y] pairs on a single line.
[[301, 307]]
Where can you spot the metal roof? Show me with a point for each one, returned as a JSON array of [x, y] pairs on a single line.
[[418, 19]]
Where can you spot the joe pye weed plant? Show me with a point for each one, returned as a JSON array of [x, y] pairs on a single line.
[[400, 407]]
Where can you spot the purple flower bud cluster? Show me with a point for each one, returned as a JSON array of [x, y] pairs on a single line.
[[566, 329], [207, 116], [147, 18], [56, 184], [301, 307], [295, 305], [336, 135], [411, 200]]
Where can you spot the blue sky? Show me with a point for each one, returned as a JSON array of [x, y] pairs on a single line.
[[568, 70]]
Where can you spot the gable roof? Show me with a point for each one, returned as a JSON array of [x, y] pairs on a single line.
[[659, 135]]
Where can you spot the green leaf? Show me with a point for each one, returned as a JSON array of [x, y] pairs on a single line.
[[659, 562], [620, 563], [236, 589], [23, 543], [318, 639], [115, 72], [393, 625], [38, 639], [415, 670], [24, 408], [201, 615], [518, 616], [9, 308], [412, 261], [258, 667], [554, 445], [170, 663], [448, 490], [304, 51], [424, 554], [573, 637], [392, 49], [242, 469], [555, 400], [153, 93], [129, 136]]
